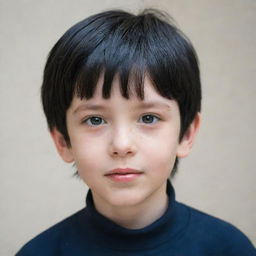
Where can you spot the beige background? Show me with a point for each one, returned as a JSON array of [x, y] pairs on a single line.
[[37, 189]]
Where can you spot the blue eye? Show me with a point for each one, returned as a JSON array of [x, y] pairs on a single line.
[[149, 119], [94, 121]]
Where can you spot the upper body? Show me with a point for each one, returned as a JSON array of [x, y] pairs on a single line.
[[181, 231], [122, 98]]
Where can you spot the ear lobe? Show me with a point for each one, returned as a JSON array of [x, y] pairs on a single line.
[[61, 145], [189, 137]]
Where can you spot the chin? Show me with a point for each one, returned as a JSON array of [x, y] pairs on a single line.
[[127, 199]]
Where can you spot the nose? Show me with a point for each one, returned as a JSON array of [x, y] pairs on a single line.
[[122, 143]]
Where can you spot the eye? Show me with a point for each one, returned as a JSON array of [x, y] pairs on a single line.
[[94, 121], [149, 119]]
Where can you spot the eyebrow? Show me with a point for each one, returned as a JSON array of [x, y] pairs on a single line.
[[153, 104], [142, 105], [88, 106]]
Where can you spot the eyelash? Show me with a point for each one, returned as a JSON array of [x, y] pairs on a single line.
[[155, 119]]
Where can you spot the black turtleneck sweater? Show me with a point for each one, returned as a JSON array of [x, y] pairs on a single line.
[[181, 231]]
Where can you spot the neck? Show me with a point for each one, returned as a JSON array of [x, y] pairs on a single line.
[[135, 216]]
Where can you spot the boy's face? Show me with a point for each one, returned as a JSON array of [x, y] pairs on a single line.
[[109, 134]]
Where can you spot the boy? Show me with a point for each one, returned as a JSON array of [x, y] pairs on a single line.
[[122, 98]]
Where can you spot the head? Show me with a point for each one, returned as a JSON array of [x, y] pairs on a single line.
[[116, 48]]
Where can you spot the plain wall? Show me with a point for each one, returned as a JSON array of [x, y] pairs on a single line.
[[36, 187]]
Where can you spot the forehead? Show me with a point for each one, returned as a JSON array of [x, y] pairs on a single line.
[[152, 101], [151, 98], [147, 88]]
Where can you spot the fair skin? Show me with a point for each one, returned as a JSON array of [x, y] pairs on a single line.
[[121, 133]]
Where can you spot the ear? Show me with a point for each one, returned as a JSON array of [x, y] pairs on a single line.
[[189, 137], [62, 147]]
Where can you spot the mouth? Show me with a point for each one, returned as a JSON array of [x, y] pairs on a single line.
[[123, 174]]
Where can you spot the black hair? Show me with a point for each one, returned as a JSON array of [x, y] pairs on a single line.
[[131, 46]]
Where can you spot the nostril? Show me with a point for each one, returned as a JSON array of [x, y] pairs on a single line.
[[122, 153]]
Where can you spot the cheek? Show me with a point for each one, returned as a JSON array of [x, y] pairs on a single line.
[[166, 138], [161, 151], [86, 144], [162, 156], [86, 151]]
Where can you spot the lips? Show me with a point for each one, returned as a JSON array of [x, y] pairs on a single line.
[[123, 174], [122, 171]]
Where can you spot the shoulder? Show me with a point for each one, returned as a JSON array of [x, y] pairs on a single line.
[[49, 241], [216, 233]]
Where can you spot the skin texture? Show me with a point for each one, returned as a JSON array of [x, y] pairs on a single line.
[[126, 134]]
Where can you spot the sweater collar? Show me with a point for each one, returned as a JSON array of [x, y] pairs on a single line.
[[107, 233]]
